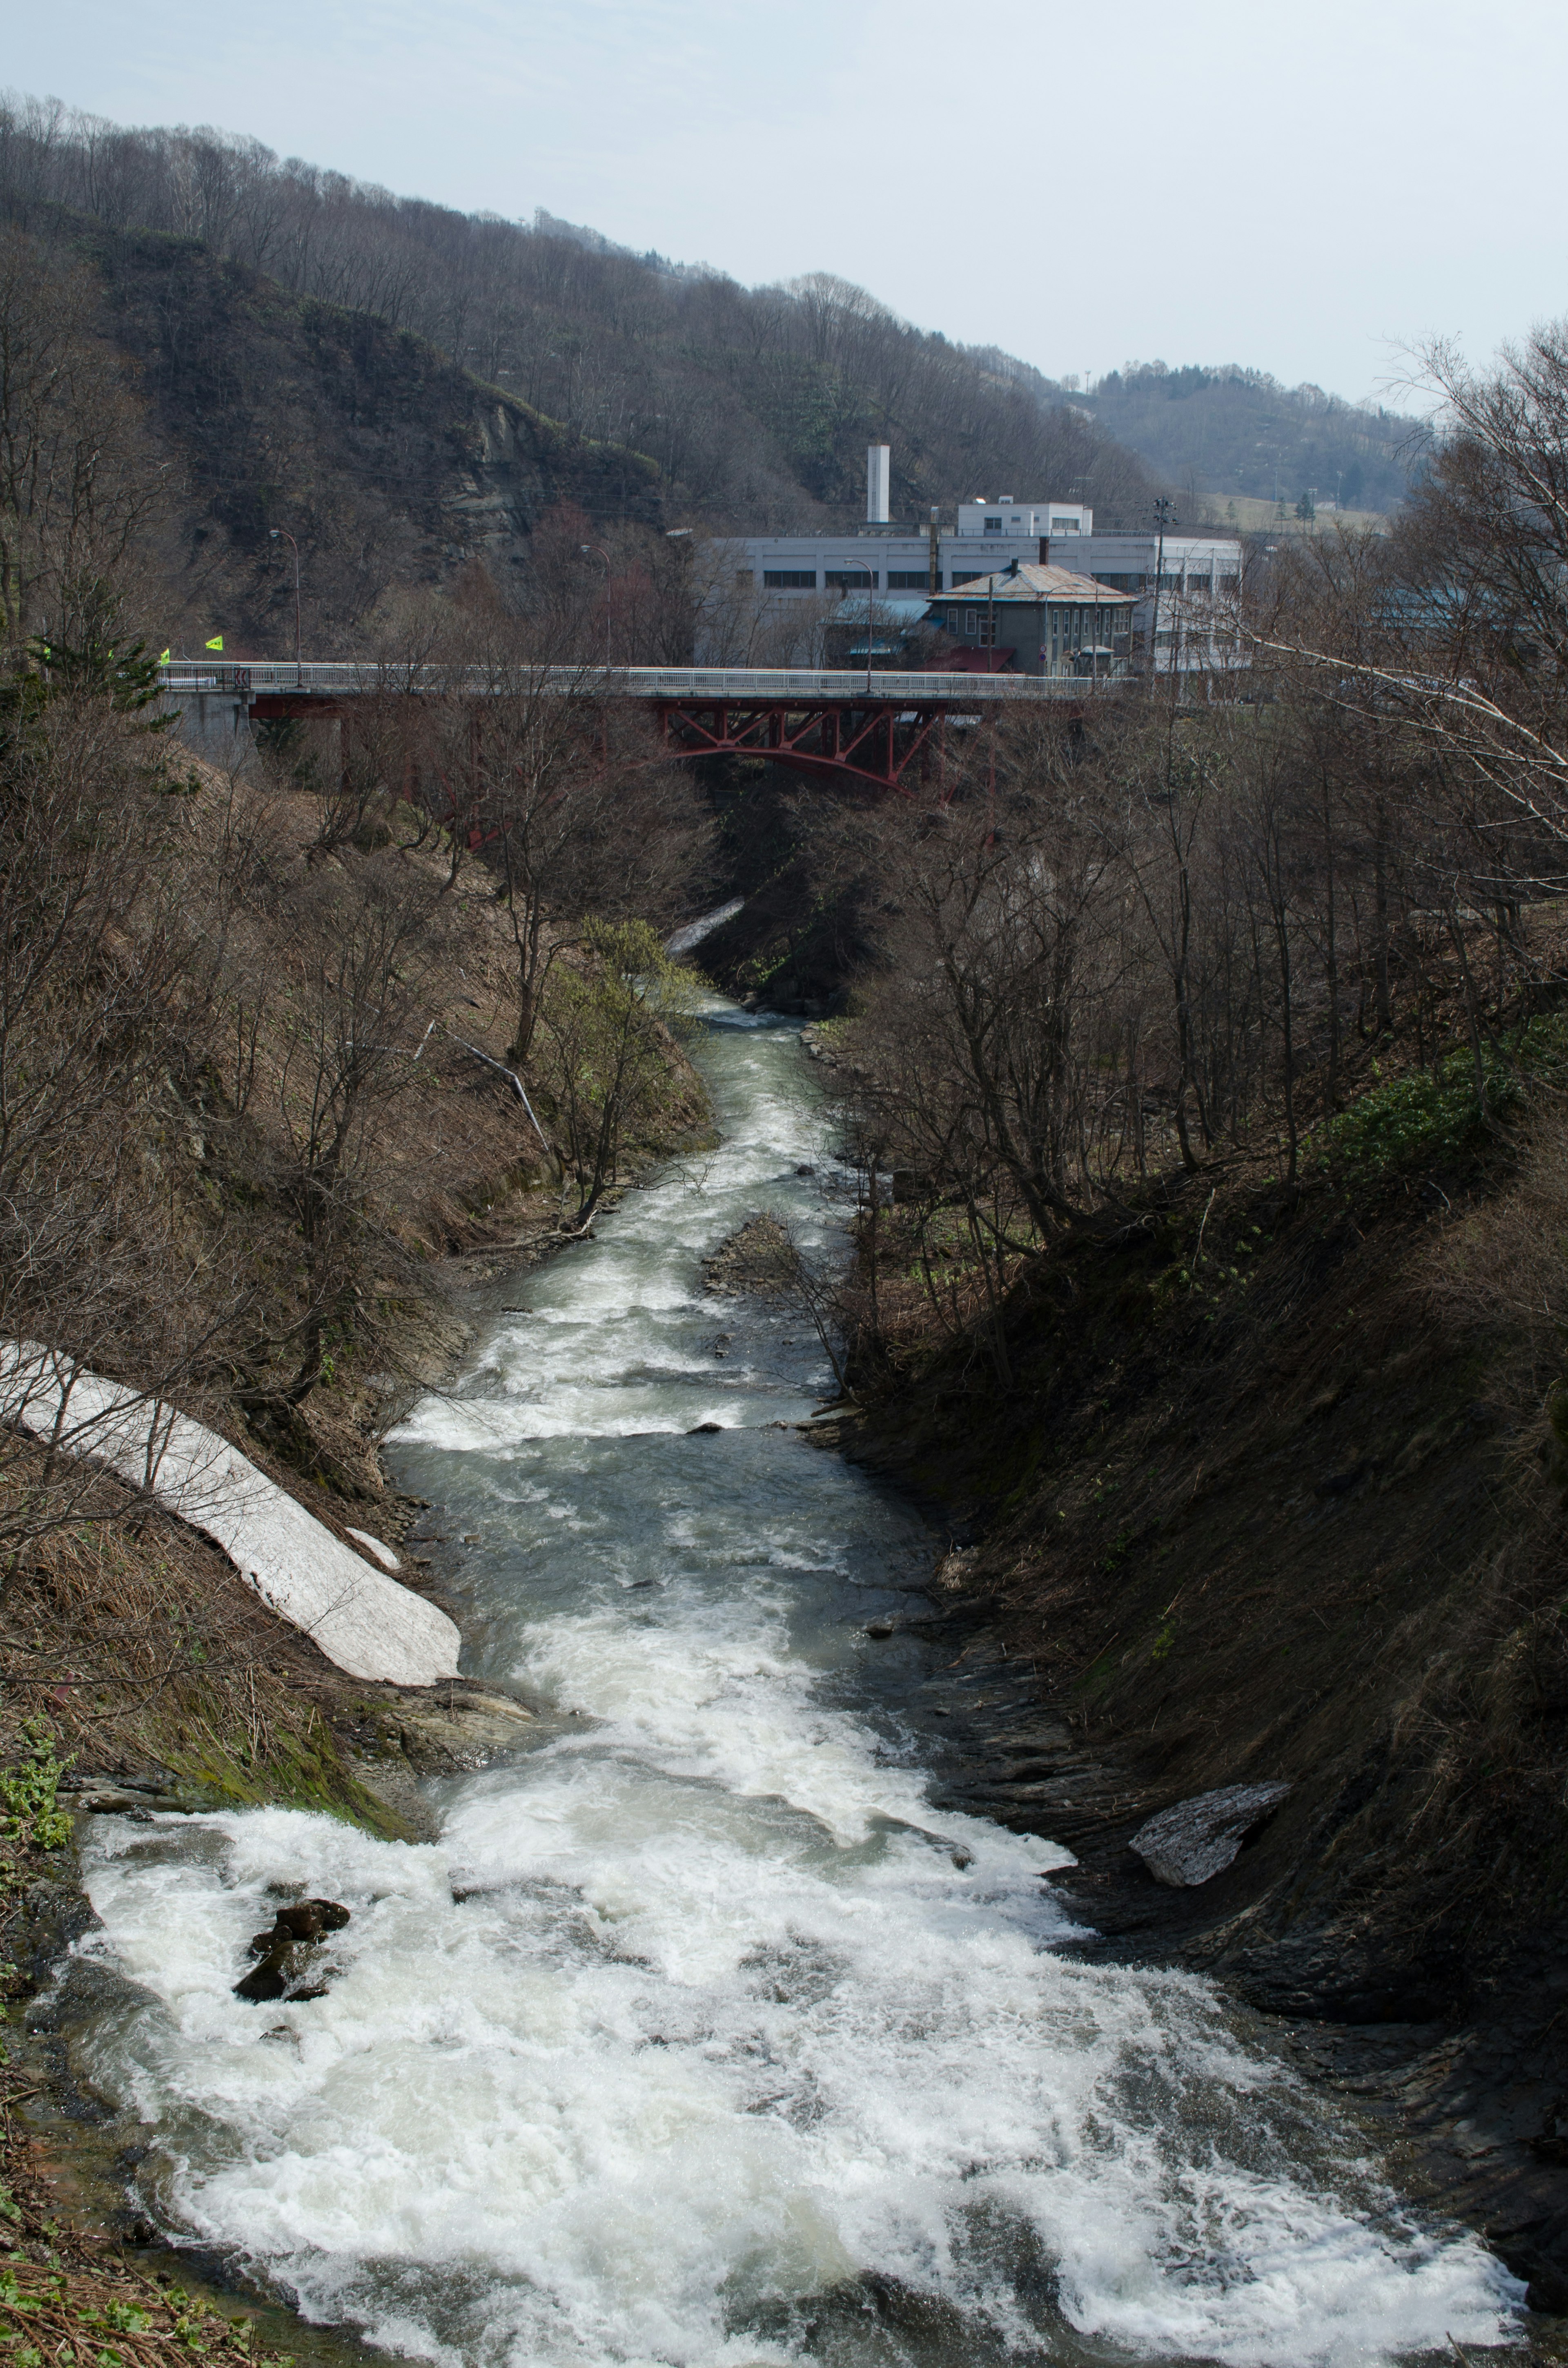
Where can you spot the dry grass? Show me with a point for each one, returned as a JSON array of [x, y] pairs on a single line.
[[141, 1649]]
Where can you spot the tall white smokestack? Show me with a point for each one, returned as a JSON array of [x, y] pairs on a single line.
[[877, 459]]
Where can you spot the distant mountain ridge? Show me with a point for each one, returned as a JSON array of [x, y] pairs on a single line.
[[1234, 430]]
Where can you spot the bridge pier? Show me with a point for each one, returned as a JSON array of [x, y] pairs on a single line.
[[214, 724]]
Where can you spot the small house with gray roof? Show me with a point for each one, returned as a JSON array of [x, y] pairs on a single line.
[[1039, 620]]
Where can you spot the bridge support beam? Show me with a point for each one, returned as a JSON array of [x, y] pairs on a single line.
[[878, 747]]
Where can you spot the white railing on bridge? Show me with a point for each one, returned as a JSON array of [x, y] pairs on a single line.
[[333, 678]]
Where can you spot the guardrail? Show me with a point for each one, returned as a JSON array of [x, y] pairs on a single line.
[[333, 678]]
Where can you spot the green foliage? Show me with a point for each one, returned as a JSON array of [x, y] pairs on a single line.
[[123, 2318], [1418, 1118], [28, 1792], [1437, 1116], [129, 675], [607, 1026]]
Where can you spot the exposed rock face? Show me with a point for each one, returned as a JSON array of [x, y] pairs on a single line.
[[1197, 1838], [415, 468]]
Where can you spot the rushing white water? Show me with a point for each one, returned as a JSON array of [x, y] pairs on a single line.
[[700, 2037]]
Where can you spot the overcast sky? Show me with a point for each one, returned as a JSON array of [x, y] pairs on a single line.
[[1305, 190]]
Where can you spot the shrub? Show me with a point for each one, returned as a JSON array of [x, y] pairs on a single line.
[[1435, 1116]]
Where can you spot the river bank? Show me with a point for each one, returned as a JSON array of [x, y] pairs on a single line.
[[1267, 1498]]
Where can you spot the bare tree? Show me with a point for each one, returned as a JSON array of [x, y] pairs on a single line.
[[76, 483]]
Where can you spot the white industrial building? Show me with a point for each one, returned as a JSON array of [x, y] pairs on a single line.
[[1187, 619]]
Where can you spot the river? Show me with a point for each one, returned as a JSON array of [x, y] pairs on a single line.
[[700, 2037]]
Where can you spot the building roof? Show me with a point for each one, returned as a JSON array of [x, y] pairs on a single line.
[[1035, 584]]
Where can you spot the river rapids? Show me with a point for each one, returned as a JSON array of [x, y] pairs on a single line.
[[700, 2039]]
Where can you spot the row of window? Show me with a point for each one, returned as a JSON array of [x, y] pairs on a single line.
[[849, 580], [918, 579], [1064, 624]]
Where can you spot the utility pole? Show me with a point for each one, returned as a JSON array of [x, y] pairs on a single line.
[[588, 549], [274, 532], [1162, 519], [870, 587]]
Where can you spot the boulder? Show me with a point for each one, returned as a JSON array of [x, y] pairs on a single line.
[[1197, 1838], [296, 1929]]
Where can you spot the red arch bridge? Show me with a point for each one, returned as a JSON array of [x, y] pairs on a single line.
[[885, 731]]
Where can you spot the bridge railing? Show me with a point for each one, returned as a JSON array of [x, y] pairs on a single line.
[[336, 677]]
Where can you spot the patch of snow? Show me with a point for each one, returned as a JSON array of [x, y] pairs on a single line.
[[367, 1624], [377, 1546]]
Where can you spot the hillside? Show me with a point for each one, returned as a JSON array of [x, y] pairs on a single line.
[[396, 321], [264, 1057], [393, 468], [1230, 430]]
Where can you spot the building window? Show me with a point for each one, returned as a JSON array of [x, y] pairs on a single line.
[[789, 579], [1169, 583], [1064, 526], [993, 526], [969, 620], [852, 579], [910, 579], [965, 575], [745, 576], [1226, 586]]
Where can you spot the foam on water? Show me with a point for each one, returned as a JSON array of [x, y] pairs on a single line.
[[700, 2037]]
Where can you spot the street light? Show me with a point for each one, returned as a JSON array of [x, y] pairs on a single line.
[[274, 532], [870, 587], [589, 550]]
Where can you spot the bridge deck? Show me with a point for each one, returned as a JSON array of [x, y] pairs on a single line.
[[335, 678]]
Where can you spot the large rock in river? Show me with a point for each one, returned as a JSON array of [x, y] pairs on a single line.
[[1199, 1837]]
